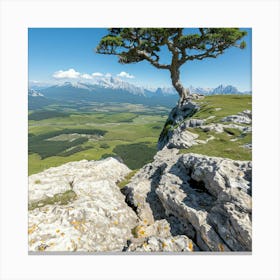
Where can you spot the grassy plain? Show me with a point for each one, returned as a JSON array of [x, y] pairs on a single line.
[[131, 136], [127, 131]]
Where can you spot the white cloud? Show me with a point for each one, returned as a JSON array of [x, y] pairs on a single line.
[[108, 75], [97, 74], [86, 76], [70, 73], [125, 75]]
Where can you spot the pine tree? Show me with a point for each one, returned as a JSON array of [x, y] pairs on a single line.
[[133, 45]]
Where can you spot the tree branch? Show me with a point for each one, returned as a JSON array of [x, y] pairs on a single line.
[[155, 63]]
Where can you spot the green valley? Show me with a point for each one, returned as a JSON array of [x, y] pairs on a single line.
[[128, 132]]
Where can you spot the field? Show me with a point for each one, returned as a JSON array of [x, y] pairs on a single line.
[[128, 132]]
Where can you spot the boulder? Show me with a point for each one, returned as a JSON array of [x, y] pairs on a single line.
[[95, 219], [244, 117], [206, 199]]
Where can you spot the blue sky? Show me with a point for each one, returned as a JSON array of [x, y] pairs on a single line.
[[56, 54]]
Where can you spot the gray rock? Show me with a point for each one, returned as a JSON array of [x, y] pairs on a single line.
[[179, 243], [193, 123], [174, 134], [220, 128], [248, 146], [207, 199], [98, 219], [244, 117], [181, 139]]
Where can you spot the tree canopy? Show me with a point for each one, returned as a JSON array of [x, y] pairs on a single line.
[[133, 45]]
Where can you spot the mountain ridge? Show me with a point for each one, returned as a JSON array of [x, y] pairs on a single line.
[[111, 89], [116, 83]]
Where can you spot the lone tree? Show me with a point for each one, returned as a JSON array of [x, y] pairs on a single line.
[[133, 45]]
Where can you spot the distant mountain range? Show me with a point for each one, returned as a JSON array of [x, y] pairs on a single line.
[[111, 89]]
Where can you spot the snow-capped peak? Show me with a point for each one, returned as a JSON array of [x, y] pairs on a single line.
[[34, 93]]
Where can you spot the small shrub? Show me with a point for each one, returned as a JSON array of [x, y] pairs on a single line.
[[104, 146]]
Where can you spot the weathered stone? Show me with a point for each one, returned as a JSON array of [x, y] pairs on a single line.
[[182, 139], [60, 179], [179, 243], [210, 198], [97, 220], [175, 127], [219, 128], [244, 117]]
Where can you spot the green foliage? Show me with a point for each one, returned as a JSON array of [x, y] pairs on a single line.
[[41, 115], [137, 44], [51, 148], [136, 155], [104, 146]]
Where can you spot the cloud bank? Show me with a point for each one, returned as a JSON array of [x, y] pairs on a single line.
[[70, 74], [73, 74], [125, 75]]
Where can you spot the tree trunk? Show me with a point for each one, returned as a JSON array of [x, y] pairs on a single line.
[[175, 78]]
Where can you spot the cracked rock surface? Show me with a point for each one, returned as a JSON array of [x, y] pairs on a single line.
[[97, 220], [206, 199]]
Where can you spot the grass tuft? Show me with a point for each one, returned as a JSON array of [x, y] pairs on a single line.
[[59, 198], [127, 179]]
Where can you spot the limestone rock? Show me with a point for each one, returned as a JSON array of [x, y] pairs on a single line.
[[206, 199], [244, 117], [182, 139], [98, 219], [60, 179], [179, 243], [174, 134], [219, 128]]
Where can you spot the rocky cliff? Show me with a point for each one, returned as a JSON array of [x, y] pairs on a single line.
[[180, 202]]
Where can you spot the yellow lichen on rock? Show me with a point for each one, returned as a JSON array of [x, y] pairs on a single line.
[[138, 231], [79, 225], [32, 241], [32, 229], [74, 245], [190, 246], [221, 247], [42, 247]]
